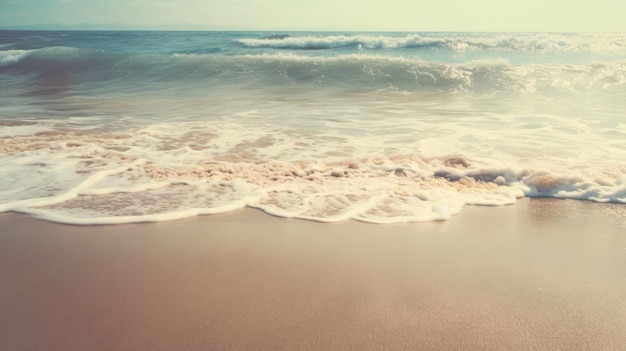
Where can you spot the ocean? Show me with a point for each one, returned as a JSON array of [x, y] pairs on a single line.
[[102, 127]]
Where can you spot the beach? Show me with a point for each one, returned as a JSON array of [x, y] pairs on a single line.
[[312, 190], [382, 127], [540, 274]]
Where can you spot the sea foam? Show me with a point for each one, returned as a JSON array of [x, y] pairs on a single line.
[[9, 57], [101, 128], [147, 175], [455, 42]]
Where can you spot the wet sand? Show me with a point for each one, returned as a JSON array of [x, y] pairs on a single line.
[[542, 274]]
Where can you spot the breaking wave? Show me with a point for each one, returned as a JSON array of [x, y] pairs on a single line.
[[350, 71], [9, 57], [519, 42], [103, 127]]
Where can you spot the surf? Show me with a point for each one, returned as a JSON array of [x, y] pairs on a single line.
[[102, 128]]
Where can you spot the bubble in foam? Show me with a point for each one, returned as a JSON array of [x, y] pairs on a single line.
[[154, 173]]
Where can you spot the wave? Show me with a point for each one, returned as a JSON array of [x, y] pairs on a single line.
[[375, 190], [10, 57], [519, 42], [160, 173], [50, 60], [363, 71], [351, 71], [327, 42]]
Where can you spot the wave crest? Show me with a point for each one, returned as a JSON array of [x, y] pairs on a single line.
[[327, 42], [406, 74], [519, 42], [349, 71], [10, 57]]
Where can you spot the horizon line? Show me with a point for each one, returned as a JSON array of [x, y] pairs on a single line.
[[213, 28]]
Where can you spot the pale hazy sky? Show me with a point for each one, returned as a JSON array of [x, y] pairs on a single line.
[[408, 15]]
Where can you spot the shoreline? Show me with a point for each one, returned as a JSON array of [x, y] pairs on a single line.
[[543, 273]]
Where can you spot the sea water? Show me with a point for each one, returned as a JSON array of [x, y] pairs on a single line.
[[116, 127]]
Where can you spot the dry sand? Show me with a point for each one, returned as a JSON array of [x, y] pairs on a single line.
[[542, 274]]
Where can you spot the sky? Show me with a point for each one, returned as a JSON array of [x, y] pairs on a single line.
[[389, 15]]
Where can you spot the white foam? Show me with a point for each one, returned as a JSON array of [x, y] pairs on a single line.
[[382, 158], [333, 41], [22, 130], [64, 196], [9, 57], [71, 218], [534, 42], [378, 190]]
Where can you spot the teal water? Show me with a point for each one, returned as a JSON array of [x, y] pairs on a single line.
[[110, 127]]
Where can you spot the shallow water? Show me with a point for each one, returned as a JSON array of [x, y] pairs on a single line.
[[113, 127]]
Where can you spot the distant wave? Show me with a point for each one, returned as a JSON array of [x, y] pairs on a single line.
[[9, 57], [364, 41], [55, 61], [45, 56], [408, 74], [535, 43], [353, 71]]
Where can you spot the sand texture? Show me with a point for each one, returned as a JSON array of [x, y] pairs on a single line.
[[541, 274]]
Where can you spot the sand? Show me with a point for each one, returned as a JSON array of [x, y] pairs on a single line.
[[541, 274]]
